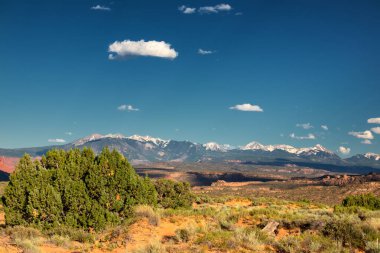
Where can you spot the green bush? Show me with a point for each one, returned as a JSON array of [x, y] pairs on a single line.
[[75, 188], [171, 194], [368, 201]]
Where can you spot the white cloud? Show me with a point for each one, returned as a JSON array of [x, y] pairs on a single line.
[[344, 150], [247, 108], [304, 125], [308, 137], [100, 8], [187, 10], [206, 9], [204, 52], [362, 135], [57, 140], [374, 120], [324, 127], [368, 142], [69, 133], [141, 48], [376, 130], [129, 108], [215, 9]]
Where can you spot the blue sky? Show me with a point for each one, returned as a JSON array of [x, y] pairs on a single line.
[[300, 62]]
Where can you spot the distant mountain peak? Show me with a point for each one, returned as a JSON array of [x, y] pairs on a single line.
[[254, 145]]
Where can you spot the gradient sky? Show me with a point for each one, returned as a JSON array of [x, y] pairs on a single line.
[[305, 61]]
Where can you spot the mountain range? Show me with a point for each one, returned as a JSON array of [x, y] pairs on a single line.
[[144, 149]]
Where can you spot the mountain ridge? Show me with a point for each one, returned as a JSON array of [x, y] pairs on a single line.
[[147, 149]]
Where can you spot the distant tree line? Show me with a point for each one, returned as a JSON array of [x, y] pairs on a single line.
[[77, 188]]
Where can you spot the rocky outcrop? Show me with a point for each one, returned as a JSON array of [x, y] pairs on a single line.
[[270, 228], [344, 180]]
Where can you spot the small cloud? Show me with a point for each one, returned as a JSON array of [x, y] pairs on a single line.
[[100, 8], [187, 10], [305, 125], [308, 137], [69, 133], [324, 127], [215, 9], [376, 130], [344, 150], [238, 13], [152, 48], [374, 120], [204, 52], [129, 108], [368, 142], [247, 108], [362, 135], [57, 140]]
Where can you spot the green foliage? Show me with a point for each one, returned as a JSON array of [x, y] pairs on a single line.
[[171, 194], [75, 188], [368, 201]]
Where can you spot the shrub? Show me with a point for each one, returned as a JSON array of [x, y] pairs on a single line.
[[368, 201], [171, 194], [75, 188], [183, 235], [346, 232]]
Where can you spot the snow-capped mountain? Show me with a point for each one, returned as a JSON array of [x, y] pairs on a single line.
[[147, 138], [213, 146]]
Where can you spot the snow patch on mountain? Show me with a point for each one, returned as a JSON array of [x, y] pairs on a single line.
[[156, 141], [290, 149], [94, 137]]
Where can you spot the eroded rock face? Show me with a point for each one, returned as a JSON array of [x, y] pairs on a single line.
[[8, 164], [219, 183]]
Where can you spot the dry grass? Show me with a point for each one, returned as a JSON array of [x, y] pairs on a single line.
[[153, 247], [145, 211], [28, 245]]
